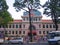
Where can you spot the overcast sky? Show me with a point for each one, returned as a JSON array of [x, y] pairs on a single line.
[[17, 15]]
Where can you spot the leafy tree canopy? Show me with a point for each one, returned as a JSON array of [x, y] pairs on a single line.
[[3, 5], [5, 16], [31, 4], [52, 8]]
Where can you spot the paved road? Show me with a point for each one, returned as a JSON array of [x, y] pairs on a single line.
[[27, 44]]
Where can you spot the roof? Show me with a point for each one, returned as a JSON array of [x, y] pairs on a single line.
[[16, 21], [47, 21], [43, 21]]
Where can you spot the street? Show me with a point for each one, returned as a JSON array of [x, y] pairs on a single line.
[[27, 44], [41, 42]]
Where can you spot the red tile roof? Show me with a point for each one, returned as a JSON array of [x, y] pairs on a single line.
[[17, 21], [47, 21], [43, 21]]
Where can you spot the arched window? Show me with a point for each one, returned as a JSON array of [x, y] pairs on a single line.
[[39, 32], [13, 25], [12, 32], [43, 32], [43, 26], [10, 26], [16, 25], [19, 32], [20, 26], [50, 26], [47, 26]]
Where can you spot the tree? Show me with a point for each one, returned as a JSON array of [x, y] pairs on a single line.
[[52, 8], [3, 5], [5, 16], [30, 5], [5, 19]]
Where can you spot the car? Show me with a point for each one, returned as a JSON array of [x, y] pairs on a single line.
[[16, 40], [53, 37], [1, 41]]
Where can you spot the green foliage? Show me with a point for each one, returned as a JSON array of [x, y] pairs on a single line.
[[52, 8], [3, 5], [51, 5], [21, 4], [5, 17]]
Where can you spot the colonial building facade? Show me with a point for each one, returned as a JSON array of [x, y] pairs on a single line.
[[21, 27]]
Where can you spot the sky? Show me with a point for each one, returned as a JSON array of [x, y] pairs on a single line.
[[17, 15]]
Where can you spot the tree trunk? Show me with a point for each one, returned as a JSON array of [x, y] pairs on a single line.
[[30, 25]]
